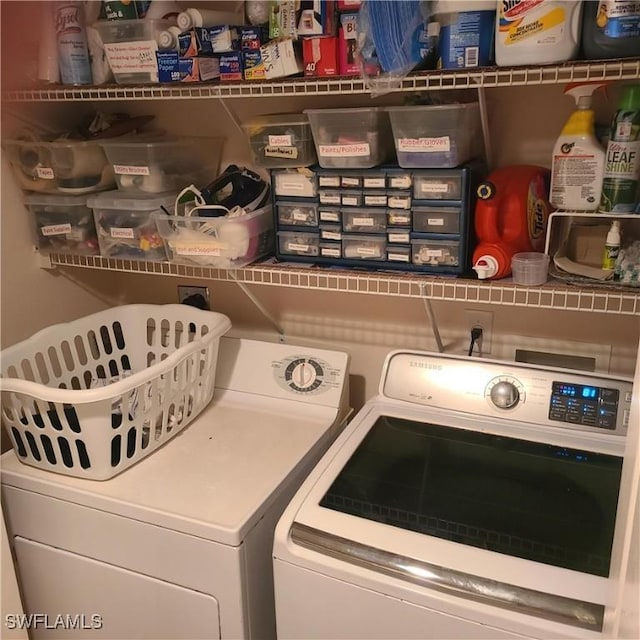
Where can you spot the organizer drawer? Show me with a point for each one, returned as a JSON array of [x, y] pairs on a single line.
[[437, 185], [436, 219], [361, 247], [435, 252], [364, 220], [298, 244], [303, 214], [399, 253]]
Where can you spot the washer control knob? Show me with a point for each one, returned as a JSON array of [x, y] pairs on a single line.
[[504, 394]]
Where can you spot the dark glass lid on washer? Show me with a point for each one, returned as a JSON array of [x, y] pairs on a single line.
[[541, 502]]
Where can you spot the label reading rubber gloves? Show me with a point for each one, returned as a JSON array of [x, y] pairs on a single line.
[[522, 20]]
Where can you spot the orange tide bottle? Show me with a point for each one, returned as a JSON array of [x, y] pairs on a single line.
[[510, 217]]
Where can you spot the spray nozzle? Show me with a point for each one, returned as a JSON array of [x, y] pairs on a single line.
[[582, 92]]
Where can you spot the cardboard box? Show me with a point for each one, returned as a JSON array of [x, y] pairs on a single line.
[[231, 66], [173, 68], [283, 19], [317, 18], [252, 38], [253, 65], [280, 59], [320, 56], [347, 64], [349, 5], [224, 38], [581, 252], [195, 42]]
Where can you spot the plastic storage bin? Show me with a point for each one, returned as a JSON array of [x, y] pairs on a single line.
[[351, 138], [293, 183], [158, 165], [299, 214], [362, 247], [281, 141], [73, 167], [298, 244], [364, 220], [92, 397], [223, 243], [130, 47], [437, 185], [126, 225], [436, 136], [435, 252], [63, 224], [436, 219]]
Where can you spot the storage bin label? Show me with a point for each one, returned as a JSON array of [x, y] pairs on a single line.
[[329, 216], [297, 247], [351, 201], [300, 216], [367, 251], [329, 181], [330, 252], [46, 173], [375, 183], [274, 151], [435, 222], [434, 187], [128, 170], [375, 201], [280, 141], [290, 186], [424, 145], [121, 232], [344, 150], [132, 57], [400, 182], [398, 257], [399, 237], [55, 229], [363, 222], [331, 235], [195, 249], [350, 182], [326, 198], [432, 253]]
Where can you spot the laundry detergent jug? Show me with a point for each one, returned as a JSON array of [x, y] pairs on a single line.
[[511, 216]]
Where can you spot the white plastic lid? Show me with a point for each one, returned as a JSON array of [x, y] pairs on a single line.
[[55, 200], [486, 267], [123, 200]]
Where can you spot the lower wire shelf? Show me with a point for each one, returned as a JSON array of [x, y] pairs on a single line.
[[552, 295]]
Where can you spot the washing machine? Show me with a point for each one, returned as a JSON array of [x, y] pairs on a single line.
[[469, 499], [180, 544]]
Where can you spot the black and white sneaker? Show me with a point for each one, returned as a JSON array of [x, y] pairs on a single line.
[[238, 187]]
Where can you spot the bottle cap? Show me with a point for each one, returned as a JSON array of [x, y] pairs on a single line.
[[630, 99]]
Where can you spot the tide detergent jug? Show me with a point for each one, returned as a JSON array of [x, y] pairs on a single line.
[[511, 216]]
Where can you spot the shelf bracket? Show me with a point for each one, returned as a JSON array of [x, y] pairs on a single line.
[[484, 121], [259, 305], [432, 319]]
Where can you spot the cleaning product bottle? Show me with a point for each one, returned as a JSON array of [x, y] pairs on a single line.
[[510, 217], [537, 31], [621, 181], [578, 158], [611, 246], [611, 29]]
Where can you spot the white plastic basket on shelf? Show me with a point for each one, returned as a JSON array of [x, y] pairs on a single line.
[[92, 397]]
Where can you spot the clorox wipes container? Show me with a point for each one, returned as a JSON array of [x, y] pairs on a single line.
[[510, 217], [537, 31]]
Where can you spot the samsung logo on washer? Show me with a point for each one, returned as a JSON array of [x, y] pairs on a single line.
[[421, 364]]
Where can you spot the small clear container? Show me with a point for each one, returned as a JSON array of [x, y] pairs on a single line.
[[351, 198], [436, 219], [280, 141], [330, 215], [220, 242], [63, 224], [437, 185], [295, 183], [130, 47], [331, 249], [360, 247], [126, 224], [330, 196], [436, 135], [73, 167], [438, 253], [399, 253], [530, 268], [398, 218], [399, 180], [399, 199], [144, 164], [303, 214], [293, 243], [399, 236], [364, 220], [351, 138]]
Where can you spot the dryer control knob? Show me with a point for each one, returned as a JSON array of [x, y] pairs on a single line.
[[505, 395]]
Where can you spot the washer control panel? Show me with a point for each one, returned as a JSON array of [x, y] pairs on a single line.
[[590, 405]]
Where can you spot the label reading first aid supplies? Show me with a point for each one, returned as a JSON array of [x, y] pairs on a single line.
[[196, 250], [532, 21]]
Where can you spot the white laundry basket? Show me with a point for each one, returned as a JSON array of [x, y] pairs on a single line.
[[92, 397]]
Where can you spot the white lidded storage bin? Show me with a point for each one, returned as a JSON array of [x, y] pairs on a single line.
[[281, 141], [63, 224], [144, 164], [92, 397], [436, 135], [351, 138], [130, 47], [126, 226], [220, 242], [72, 167]]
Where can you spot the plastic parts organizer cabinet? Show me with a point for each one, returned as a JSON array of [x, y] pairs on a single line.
[[94, 396]]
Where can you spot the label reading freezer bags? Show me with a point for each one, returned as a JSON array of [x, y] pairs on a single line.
[[196, 250], [273, 151], [133, 57], [46, 173], [121, 232], [344, 150], [128, 170], [55, 229], [424, 145], [280, 141]]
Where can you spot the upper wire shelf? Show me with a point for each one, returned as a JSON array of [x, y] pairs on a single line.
[[578, 71]]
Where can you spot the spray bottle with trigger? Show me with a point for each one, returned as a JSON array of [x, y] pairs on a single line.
[[578, 158]]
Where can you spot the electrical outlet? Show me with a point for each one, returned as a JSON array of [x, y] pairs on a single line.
[[196, 296], [483, 319]]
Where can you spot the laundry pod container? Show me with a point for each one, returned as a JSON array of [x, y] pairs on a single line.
[[436, 136], [351, 138], [158, 164], [126, 224], [63, 224]]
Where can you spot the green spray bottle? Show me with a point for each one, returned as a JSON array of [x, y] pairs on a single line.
[[621, 177]]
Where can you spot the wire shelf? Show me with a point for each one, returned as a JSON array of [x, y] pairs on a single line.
[[553, 295], [446, 79]]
